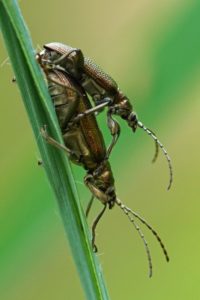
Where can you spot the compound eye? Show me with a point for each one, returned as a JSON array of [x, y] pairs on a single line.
[[132, 117], [110, 191]]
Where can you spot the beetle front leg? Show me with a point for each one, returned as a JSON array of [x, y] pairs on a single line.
[[114, 127]]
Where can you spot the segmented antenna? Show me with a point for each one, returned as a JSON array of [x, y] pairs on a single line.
[[156, 150], [128, 211], [150, 133], [141, 235]]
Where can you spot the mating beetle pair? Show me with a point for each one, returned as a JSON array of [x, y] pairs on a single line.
[[100, 86], [70, 78]]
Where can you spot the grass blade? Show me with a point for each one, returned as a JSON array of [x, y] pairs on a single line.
[[41, 112]]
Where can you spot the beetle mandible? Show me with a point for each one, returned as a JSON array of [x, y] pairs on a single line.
[[84, 145], [101, 87]]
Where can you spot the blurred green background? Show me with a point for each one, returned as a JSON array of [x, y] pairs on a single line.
[[152, 49]]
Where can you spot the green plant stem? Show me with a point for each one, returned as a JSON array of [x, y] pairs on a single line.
[[40, 111]]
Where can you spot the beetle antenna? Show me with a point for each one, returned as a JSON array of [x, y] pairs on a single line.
[[128, 211], [156, 152], [140, 234], [150, 133], [156, 149]]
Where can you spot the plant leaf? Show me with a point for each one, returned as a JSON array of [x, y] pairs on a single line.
[[41, 112]]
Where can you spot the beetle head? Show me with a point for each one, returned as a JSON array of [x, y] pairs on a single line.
[[124, 109], [101, 184], [43, 58]]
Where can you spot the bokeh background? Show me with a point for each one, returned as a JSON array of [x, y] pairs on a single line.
[[152, 49]]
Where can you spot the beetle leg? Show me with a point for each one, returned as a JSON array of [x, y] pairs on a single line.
[[90, 111], [62, 57], [65, 55], [114, 128], [89, 206], [56, 144], [94, 225]]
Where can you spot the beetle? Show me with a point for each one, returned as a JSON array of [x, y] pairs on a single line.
[[85, 146], [101, 87]]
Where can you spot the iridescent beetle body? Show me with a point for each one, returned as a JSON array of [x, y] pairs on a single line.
[[82, 138], [98, 84], [84, 144], [101, 87]]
